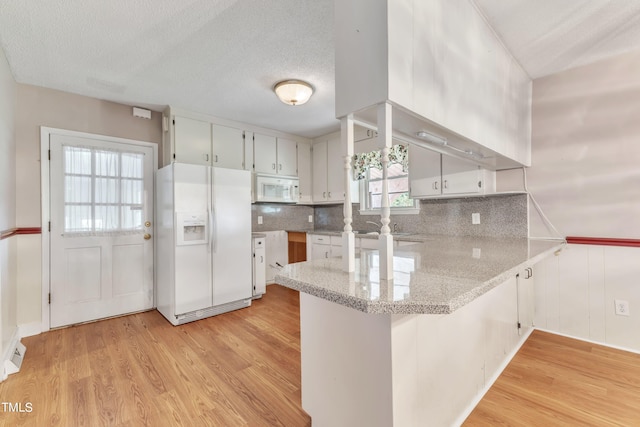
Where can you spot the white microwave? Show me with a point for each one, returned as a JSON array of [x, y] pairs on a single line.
[[275, 189]]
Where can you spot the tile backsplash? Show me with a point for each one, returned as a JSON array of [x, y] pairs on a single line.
[[500, 216], [278, 216]]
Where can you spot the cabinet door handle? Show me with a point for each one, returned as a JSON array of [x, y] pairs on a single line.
[[435, 185], [324, 194], [326, 254], [273, 165], [280, 166], [445, 186], [216, 158], [329, 194], [206, 157], [261, 259]]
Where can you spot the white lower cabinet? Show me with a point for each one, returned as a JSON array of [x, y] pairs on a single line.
[[276, 253], [259, 267], [323, 246]]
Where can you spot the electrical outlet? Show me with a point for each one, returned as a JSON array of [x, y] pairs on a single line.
[[259, 219], [310, 218], [622, 307], [475, 218]]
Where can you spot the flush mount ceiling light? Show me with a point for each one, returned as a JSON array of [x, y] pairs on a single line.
[[431, 137], [293, 92]]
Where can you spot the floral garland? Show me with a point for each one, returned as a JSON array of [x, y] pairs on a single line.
[[364, 161]]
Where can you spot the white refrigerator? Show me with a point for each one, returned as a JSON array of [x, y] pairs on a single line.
[[203, 241]]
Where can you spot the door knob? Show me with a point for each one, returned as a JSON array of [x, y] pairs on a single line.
[[147, 236], [147, 224]]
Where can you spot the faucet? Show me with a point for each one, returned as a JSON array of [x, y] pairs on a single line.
[[374, 223]]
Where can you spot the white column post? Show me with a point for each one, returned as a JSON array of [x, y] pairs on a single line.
[[348, 239], [385, 130]]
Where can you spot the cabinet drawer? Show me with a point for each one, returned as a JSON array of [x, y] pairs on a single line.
[[318, 239], [336, 240], [258, 242], [366, 243]]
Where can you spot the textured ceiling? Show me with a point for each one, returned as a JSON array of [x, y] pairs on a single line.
[[548, 36], [222, 57]]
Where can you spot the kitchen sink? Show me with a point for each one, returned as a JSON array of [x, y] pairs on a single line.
[[377, 233]]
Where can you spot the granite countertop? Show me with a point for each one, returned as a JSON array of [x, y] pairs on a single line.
[[436, 275], [405, 237]]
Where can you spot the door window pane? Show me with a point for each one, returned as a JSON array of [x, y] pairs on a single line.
[[103, 190]]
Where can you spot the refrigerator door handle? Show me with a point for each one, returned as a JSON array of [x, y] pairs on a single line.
[[210, 208], [214, 231], [210, 246]]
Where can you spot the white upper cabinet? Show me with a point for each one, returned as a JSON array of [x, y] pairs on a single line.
[[328, 173], [228, 147], [425, 172], [248, 151], [335, 170], [362, 134], [432, 174], [191, 141], [198, 139], [265, 152], [304, 173], [287, 150], [460, 177], [319, 160], [275, 155]]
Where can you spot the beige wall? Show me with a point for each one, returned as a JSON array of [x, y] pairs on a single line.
[[586, 150], [8, 289], [585, 174], [38, 107]]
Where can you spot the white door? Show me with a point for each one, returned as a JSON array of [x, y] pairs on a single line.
[[231, 219], [425, 172], [192, 140], [101, 214], [264, 149], [227, 147], [335, 170], [459, 176], [319, 172], [287, 157]]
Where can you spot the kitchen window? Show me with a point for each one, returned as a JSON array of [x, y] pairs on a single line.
[[368, 169]]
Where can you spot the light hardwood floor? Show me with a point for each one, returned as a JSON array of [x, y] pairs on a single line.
[[243, 368], [557, 381], [236, 369]]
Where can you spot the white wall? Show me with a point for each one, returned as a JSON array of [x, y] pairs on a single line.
[[38, 107], [586, 150], [585, 174], [438, 59], [8, 290]]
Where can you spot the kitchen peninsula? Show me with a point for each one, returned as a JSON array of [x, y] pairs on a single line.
[[421, 348]]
